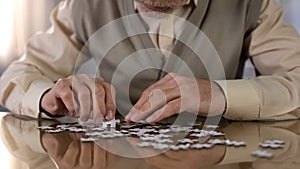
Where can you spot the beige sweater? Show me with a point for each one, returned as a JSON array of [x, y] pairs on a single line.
[[236, 30]]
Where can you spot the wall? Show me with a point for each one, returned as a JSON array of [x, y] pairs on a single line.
[[29, 17], [292, 12]]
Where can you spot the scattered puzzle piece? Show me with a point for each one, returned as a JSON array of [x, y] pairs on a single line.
[[186, 140], [211, 126], [201, 146], [110, 124], [45, 128], [272, 144], [55, 131], [88, 139], [180, 147], [262, 154]]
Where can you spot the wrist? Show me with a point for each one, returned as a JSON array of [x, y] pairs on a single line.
[[218, 99]]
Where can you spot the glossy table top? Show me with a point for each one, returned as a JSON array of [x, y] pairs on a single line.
[[24, 146]]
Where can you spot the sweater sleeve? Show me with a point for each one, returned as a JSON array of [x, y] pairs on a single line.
[[275, 51]]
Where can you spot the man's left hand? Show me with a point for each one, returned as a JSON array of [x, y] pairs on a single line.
[[175, 94]]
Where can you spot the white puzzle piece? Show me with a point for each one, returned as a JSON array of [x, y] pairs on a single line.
[[111, 123]]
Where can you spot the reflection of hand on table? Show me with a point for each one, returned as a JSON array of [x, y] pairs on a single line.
[[181, 159], [68, 152]]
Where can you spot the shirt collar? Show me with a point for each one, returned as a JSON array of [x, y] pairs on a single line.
[[195, 2]]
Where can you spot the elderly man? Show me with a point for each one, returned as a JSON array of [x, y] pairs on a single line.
[[190, 55]]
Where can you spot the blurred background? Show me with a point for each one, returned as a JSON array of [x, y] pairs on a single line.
[[20, 19]]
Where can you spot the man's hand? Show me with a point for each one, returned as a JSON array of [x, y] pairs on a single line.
[[81, 96], [67, 151], [174, 94]]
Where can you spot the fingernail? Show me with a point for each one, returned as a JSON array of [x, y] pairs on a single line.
[[109, 115], [150, 119], [134, 117], [128, 116]]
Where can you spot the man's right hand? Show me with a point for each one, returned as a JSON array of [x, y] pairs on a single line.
[[81, 96]]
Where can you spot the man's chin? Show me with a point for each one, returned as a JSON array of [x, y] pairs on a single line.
[[143, 7], [150, 8], [153, 14]]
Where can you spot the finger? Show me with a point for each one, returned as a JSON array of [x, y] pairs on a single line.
[[76, 136], [168, 78], [151, 98], [52, 146], [163, 84], [110, 96], [136, 115], [64, 92], [103, 95], [99, 110], [165, 93], [86, 154], [100, 157], [69, 159], [52, 104], [162, 161], [98, 98], [156, 101], [171, 108], [83, 97]]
